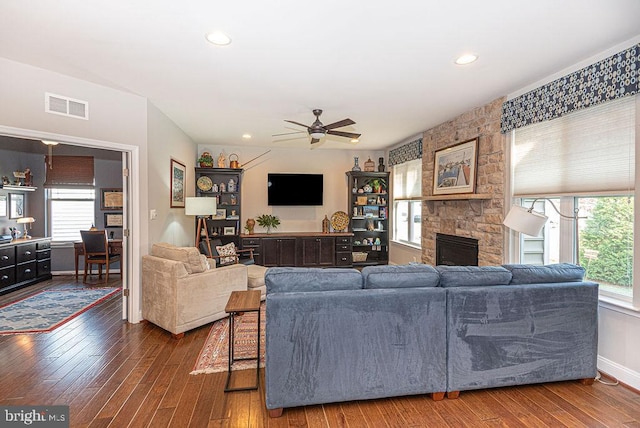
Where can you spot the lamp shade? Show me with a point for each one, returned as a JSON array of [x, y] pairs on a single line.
[[200, 206], [317, 134], [26, 220], [525, 220]]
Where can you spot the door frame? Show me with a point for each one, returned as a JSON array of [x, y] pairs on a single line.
[[130, 245]]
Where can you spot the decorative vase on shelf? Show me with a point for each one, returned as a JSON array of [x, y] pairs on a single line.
[[356, 167], [325, 224], [251, 223], [380, 164]]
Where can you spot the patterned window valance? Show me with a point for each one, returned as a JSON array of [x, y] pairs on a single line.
[[609, 79], [406, 152]]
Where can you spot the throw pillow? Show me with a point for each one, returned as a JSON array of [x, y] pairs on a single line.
[[227, 253]]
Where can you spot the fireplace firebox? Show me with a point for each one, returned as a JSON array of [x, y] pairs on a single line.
[[452, 250]]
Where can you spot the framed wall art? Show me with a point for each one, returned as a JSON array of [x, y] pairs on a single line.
[[111, 199], [221, 214], [455, 169], [113, 220], [178, 181], [230, 230], [16, 205]]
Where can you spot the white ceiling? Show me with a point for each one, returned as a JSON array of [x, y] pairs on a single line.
[[386, 65]]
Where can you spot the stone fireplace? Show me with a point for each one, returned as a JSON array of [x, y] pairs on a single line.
[[452, 250], [479, 219]]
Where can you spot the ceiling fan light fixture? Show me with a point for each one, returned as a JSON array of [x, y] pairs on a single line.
[[466, 59], [218, 38], [317, 134]]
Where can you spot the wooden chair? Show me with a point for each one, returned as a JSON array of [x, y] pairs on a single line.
[[96, 252]]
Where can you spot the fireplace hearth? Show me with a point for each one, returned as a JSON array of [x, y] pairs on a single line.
[[452, 250]]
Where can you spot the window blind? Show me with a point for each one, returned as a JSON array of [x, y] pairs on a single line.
[[588, 151], [70, 171], [407, 180]]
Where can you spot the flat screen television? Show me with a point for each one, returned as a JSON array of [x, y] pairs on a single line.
[[294, 189]]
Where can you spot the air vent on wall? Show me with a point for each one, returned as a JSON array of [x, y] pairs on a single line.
[[65, 106]]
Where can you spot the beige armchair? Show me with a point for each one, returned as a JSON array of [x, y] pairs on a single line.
[[181, 292]]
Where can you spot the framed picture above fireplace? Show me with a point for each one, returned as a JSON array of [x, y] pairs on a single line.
[[455, 168]]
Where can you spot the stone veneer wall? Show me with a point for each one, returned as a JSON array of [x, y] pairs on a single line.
[[479, 219]]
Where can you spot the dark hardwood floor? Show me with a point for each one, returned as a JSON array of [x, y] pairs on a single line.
[[116, 374]]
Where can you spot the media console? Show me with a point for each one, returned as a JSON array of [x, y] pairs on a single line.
[[304, 249]]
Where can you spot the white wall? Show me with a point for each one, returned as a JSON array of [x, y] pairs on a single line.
[[333, 164], [167, 141]]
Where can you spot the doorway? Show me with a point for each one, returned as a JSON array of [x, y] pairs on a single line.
[[129, 161]]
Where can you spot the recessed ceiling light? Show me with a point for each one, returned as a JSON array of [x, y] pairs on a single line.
[[246, 136], [466, 59], [218, 38], [354, 140]]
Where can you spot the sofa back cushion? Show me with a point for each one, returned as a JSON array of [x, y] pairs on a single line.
[[470, 276], [288, 279], [530, 274], [400, 276], [193, 261]]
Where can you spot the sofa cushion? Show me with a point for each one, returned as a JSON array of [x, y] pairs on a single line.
[[227, 253], [530, 274], [400, 276], [193, 261], [468, 276], [287, 279]]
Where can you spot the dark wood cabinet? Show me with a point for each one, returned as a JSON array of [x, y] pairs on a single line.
[[24, 262], [317, 252], [278, 252], [306, 249], [369, 216]]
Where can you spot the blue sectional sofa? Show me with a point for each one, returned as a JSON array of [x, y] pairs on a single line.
[[340, 335]]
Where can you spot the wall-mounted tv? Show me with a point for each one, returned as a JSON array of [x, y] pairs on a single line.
[[294, 189]]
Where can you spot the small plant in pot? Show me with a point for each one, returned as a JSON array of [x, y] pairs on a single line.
[[378, 184], [269, 221], [206, 160]]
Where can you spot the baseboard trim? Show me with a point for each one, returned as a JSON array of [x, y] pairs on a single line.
[[623, 374]]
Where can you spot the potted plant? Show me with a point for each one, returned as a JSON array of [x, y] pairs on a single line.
[[206, 160], [269, 221], [378, 184]]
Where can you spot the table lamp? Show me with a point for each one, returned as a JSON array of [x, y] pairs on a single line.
[[201, 207], [26, 221]]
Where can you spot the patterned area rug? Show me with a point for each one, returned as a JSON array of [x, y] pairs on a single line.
[[214, 356], [48, 309]]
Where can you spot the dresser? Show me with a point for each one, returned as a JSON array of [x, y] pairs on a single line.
[[24, 262]]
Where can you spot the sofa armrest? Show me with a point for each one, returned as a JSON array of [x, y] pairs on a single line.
[[177, 301]]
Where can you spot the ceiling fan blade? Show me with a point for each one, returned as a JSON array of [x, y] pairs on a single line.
[[297, 123], [344, 134], [314, 140], [288, 133], [317, 144], [344, 122]]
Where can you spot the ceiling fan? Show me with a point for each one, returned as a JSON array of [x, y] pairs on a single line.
[[317, 130]]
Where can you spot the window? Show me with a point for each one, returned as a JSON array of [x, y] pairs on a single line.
[[407, 207], [71, 210], [585, 161]]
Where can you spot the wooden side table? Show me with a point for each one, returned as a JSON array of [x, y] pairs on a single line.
[[239, 302]]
